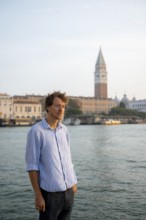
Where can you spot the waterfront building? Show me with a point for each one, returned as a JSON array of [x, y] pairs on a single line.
[[26, 110], [6, 106], [19, 109], [138, 105], [90, 105], [29, 109], [125, 100]]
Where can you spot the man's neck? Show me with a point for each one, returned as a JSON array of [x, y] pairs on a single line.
[[53, 123]]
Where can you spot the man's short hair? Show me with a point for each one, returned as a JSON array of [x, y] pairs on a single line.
[[50, 97]]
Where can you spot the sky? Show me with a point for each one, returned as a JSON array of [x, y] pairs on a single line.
[[52, 45]]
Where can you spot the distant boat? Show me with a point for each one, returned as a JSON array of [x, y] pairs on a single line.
[[71, 121], [112, 122], [67, 121], [77, 122]]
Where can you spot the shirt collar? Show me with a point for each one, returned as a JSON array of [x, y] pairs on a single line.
[[47, 126]]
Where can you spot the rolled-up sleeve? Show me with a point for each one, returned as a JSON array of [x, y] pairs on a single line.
[[33, 146]]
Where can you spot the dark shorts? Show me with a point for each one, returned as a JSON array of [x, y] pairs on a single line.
[[58, 205]]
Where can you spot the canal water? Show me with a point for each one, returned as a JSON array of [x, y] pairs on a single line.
[[110, 163]]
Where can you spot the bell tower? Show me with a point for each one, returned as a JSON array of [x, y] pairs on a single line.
[[100, 78]]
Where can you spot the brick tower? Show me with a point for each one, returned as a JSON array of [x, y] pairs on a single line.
[[100, 78]]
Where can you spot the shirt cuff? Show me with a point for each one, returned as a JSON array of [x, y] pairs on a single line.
[[30, 167]]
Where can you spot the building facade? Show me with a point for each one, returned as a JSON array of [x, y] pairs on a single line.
[[21, 110], [90, 105], [138, 105], [6, 106]]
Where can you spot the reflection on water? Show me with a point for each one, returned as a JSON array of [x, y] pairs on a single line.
[[110, 166]]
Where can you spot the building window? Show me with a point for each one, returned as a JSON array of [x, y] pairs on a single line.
[[27, 109]]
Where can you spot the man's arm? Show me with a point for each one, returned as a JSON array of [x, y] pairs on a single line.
[[39, 200], [74, 188]]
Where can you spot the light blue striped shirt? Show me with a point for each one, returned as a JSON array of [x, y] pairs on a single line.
[[48, 151]]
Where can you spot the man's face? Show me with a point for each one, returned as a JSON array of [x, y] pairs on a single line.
[[56, 110]]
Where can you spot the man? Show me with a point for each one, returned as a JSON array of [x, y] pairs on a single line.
[[49, 163]]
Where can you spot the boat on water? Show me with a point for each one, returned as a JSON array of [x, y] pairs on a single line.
[[77, 122], [67, 121], [70, 121], [112, 122]]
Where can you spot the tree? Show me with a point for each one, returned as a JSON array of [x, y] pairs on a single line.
[[73, 108], [122, 105], [121, 111]]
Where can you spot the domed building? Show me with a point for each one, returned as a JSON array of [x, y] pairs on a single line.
[[125, 100]]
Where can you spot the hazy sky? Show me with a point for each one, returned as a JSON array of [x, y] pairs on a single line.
[[48, 45]]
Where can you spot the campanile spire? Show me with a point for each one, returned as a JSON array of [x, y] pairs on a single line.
[[100, 78]]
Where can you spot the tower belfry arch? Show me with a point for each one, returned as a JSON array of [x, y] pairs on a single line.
[[100, 78]]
